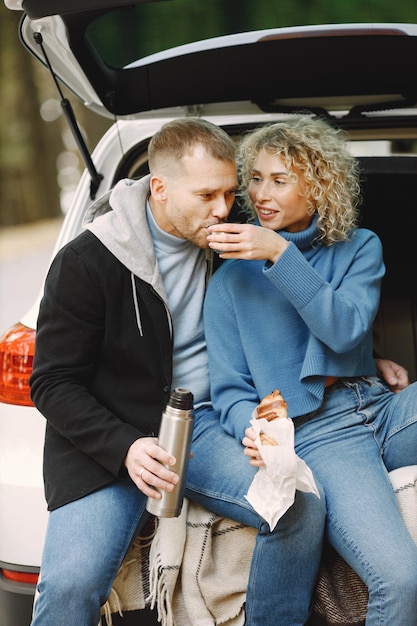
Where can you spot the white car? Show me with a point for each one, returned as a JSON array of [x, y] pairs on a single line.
[[143, 63]]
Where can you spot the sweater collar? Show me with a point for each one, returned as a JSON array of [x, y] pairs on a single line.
[[304, 239]]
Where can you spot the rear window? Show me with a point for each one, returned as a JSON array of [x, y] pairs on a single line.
[[130, 33], [135, 32]]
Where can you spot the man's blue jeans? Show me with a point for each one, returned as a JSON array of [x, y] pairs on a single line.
[[360, 433], [86, 540]]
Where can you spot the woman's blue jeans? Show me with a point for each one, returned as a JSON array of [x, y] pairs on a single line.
[[285, 562], [86, 540], [361, 432]]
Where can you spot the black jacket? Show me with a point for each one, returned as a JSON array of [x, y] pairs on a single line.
[[100, 381]]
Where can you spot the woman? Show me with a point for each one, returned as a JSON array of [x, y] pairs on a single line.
[[294, 311]]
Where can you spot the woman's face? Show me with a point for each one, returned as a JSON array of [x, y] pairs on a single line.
[[277, 198]]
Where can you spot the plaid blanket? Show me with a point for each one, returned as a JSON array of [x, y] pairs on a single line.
[[209, 557]]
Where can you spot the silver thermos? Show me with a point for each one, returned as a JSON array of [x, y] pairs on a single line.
[[175, 437]]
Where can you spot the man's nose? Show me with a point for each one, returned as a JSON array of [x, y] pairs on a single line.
[[222, 208]]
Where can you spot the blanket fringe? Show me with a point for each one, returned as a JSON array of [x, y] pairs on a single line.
[[161, 590], [106, 610]]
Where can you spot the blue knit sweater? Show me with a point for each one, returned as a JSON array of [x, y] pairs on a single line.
[[289, 324]]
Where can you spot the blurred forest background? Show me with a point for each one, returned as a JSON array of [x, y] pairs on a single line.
[[39, 162]]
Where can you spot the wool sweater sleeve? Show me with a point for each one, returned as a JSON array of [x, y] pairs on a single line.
[[331, 299]]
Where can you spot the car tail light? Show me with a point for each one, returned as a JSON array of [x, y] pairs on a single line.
[[17, 347], [20, 577]]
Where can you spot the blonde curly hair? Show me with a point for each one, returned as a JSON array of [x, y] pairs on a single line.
[[321, 152]]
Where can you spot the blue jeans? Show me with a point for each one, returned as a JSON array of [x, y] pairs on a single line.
[[285, 562], [85, 544], [86, 540], [360, 433]]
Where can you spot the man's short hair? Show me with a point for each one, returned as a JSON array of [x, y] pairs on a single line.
[[178, 137]]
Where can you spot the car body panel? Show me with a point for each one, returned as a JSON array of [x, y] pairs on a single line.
[[22, 503]]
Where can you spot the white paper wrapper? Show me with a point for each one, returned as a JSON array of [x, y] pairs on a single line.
[[272, 491]]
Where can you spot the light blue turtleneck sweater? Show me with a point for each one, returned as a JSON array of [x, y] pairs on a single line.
[[289, 324], [183, 269]]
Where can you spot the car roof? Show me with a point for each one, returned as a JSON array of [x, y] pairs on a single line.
[[108, 54]]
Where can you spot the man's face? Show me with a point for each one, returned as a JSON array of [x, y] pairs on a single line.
[[200, 193]]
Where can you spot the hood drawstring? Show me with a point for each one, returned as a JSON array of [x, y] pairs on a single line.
[[209, 265], [136, 303]]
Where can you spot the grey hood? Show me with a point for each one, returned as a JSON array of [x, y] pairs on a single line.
[[118, 220]]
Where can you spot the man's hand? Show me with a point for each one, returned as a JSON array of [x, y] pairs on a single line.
[[145, 461], [396, 376]]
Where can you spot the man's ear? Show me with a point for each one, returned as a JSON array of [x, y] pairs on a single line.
[[158, 188]]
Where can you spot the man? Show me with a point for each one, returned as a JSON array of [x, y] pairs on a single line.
[[120, 325]]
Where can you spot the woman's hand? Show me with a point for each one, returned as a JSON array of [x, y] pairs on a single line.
[[245, 241], [145, 461], [396, 376], [251, 449]]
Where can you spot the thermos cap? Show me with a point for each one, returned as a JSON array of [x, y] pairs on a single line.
[[181, 399]]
